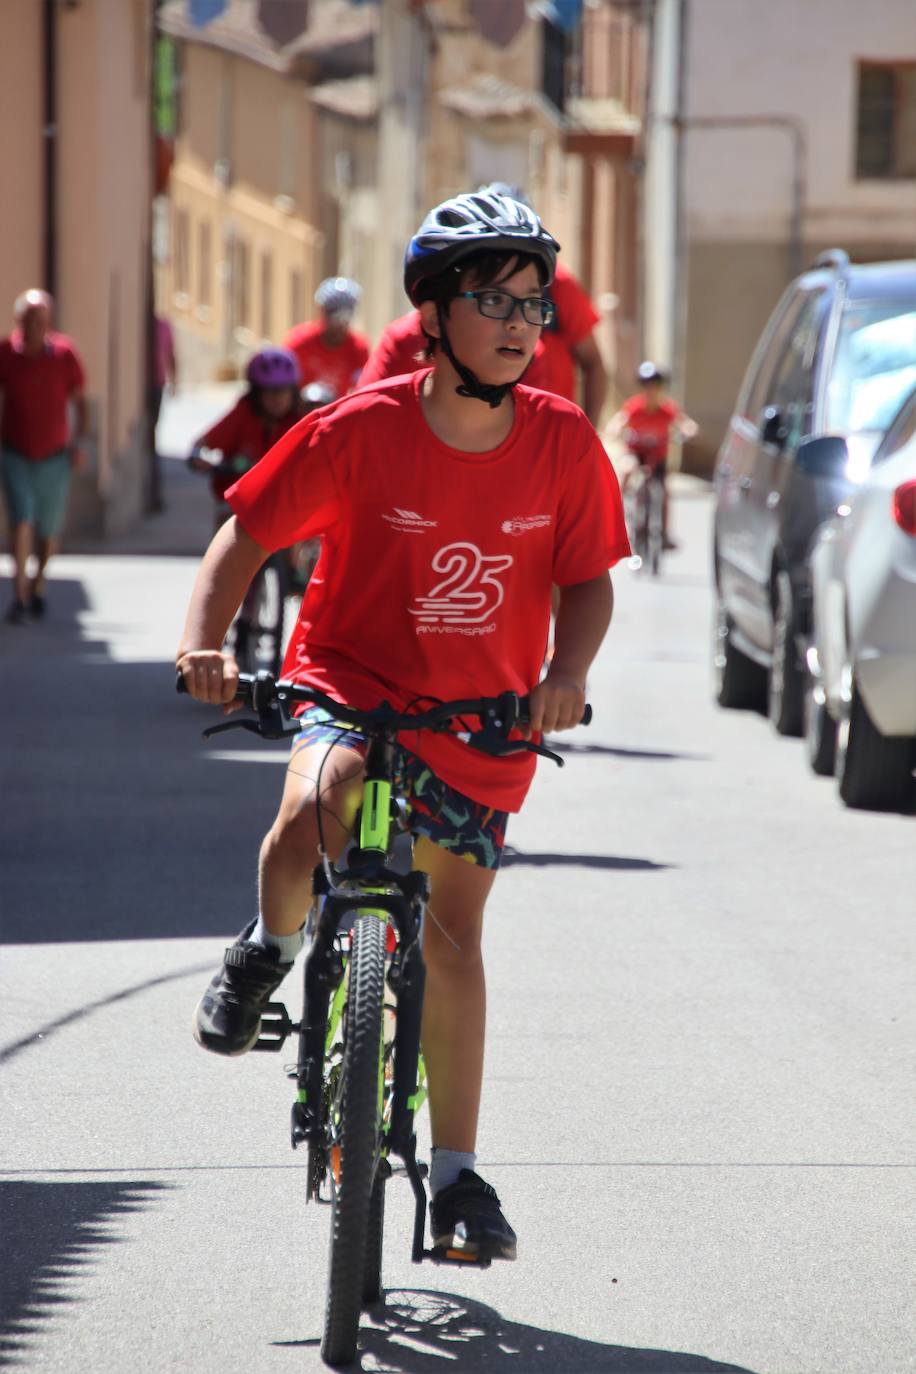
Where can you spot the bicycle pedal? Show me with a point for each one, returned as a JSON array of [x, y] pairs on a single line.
[[276, 1026], [449, 1255]]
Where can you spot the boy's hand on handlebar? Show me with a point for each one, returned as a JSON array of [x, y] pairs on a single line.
[[211, 677], [557, 703]]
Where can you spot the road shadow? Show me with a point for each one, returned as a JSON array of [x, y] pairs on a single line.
[[120, 823], [512, 856], [52, 1233], [417, 1331], [612, 751]]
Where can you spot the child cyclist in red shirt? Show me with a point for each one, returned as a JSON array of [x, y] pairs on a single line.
[[646, 421], [448, 501], [269, 407]]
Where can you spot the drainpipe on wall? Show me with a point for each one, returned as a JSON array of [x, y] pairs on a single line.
[[49, 138]]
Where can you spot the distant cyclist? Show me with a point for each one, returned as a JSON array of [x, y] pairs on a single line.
[[565, 349], [448, 502], [646, 422], [328, 350], [269, 407]]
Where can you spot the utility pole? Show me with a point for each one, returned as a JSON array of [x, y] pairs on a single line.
[[402, 79]]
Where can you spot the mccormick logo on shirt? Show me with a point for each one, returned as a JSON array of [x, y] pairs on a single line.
[[410, 521], [523, 523]]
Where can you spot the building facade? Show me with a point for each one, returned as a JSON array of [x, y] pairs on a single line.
[[365, 117], [775, 132], [77, 173]]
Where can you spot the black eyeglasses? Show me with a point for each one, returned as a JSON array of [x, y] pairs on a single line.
[[502, 305]]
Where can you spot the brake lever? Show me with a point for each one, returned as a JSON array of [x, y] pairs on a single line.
[[492, 742], [247, 723]]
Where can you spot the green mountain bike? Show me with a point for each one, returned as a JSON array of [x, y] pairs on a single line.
[[359, 1075]]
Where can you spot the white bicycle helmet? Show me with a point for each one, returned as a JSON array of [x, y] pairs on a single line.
[[338, 296]]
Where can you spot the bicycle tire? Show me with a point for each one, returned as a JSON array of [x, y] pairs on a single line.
[[654, 523], [372, 1269], [359, 1139], [272, 611]]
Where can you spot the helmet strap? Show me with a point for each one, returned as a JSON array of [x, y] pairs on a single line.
[[470, 384]]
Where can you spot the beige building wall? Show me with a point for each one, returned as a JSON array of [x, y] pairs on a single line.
[[739, 181], [20, 157], [243, 257], [103, 196]]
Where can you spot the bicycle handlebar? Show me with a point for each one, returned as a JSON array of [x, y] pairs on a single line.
[[271, 700]]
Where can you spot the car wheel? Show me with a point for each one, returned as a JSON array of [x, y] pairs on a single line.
[[786, 686], [874, 771], [738, 681], [820, 729]]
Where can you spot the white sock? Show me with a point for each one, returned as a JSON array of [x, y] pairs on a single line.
[[446, 1166], [288, 945]]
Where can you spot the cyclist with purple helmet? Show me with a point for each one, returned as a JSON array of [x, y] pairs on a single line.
[[269, 407]]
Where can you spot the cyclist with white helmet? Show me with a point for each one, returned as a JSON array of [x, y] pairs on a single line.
[[327, 349], [646, 422], [448, 501]]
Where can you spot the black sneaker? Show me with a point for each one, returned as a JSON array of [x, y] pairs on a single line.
[[466, 1217], [18, 614], [228, 1016]]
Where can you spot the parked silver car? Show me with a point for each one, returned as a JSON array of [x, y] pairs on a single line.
[[860, 698]]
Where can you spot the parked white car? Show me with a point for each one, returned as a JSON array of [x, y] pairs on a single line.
[[860, 698]]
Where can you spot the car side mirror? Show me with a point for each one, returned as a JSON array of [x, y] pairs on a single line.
[[772, 428], [826, 456]]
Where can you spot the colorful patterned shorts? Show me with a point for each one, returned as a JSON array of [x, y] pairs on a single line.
[[467, 829]]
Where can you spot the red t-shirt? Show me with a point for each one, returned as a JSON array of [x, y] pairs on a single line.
[[339, 367], [244, 434], [36, 391], [574, 321], [436, 564], [650, 429], [400, 350]]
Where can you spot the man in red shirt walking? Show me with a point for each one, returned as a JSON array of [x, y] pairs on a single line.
[[327, 349], [40, 376]]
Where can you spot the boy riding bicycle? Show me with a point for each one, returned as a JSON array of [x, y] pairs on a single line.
[[646, 422], [448, 501]]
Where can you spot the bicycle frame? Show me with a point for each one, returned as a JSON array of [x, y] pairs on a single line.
[[369, 886]]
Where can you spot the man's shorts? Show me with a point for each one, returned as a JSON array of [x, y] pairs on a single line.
[[466, 828], [36, 491]]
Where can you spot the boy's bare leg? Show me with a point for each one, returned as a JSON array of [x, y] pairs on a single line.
[[454, 1007], [290, 852]]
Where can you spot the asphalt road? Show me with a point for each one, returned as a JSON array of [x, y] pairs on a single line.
[[698, 1103]]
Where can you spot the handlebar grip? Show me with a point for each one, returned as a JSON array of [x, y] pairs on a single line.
[[586, 715]]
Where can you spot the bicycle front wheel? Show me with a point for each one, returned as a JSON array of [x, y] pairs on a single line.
[[358, 1130]]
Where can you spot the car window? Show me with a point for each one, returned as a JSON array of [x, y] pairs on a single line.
[[902, 431], [874, 366], [792, 389], [766, 357]]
